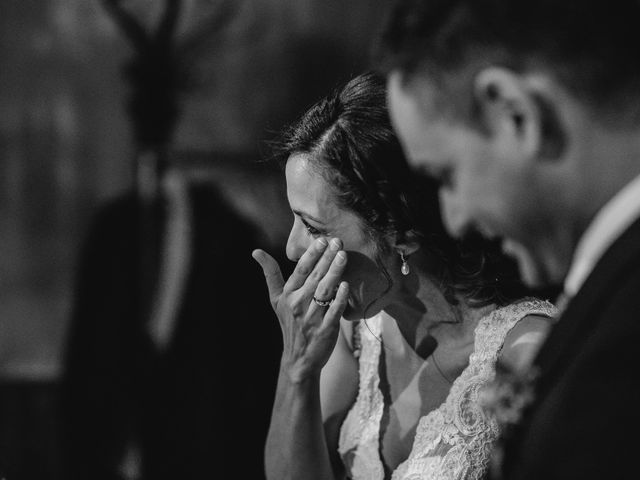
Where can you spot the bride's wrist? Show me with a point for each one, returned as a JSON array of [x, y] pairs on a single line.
[[298, 375]]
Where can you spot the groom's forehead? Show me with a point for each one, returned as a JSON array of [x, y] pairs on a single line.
[[434, 98]]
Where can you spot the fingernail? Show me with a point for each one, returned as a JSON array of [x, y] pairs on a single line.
[[322, 243], [341, 257], [335, 244]]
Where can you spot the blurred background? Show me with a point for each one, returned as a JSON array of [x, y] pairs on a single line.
[[133, 135]]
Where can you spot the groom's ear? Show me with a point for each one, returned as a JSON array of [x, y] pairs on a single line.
[[519, 111]]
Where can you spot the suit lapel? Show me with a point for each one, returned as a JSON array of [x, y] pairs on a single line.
[[581, 317]]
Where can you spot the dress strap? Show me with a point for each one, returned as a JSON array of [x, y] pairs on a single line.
[[494, 328]]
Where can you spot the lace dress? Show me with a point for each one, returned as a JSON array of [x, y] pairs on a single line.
[[454, 440]]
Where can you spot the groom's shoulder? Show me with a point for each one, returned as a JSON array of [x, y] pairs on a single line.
[[610, 302], [590, 391], [616, 278]]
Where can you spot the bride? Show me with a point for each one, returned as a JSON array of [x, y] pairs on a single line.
[[390, 326]]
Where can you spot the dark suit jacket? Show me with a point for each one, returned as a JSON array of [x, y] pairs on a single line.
[[201, 408], [585, 419]]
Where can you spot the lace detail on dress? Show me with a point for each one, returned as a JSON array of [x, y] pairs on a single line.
[[452, 442], [358, 444]]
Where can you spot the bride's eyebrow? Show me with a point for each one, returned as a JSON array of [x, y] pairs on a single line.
[[307, 216]]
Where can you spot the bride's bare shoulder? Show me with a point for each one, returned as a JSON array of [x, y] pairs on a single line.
[[524, 340]]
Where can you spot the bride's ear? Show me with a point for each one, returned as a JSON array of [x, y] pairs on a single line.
[[406, 243]]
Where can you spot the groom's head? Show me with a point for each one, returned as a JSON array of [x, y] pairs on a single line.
[[517, 107]]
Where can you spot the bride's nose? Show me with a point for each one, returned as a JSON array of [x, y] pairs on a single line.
[[298, 242]]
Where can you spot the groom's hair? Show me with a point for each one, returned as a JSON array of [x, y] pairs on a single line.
[[592, 47]]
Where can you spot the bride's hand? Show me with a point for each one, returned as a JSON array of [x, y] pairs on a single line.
[[309, 329]]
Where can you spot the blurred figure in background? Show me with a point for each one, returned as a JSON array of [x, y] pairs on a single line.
[[168, 368], [184, 390]]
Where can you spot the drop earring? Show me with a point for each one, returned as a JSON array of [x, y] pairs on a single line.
[[404, 269]]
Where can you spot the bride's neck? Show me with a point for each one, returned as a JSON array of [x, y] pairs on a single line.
[[426, 318], [418, 307]]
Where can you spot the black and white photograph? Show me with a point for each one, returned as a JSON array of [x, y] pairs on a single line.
[[319, 239]]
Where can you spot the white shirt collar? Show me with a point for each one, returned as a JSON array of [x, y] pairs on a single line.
[[608, 224]]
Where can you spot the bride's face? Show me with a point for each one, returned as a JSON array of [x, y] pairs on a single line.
[[316, 214]]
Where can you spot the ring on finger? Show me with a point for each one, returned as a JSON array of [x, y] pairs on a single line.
[[322, 303]]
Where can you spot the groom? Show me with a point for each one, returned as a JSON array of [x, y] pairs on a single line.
[[528, 113]]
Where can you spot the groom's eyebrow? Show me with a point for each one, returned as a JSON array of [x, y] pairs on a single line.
[[423, 167], [433, 168], [439, 173], [427, 173]]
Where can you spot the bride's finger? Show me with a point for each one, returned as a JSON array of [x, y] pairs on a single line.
[[306, 264], [335, 311], [327, 287], [272, 274], [321, 268]]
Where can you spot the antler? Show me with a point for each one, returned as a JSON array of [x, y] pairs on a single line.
[[152, 72], [162, 68], [129, 25], [169, 21]]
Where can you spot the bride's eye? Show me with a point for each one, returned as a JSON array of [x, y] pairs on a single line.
[[312, 230]]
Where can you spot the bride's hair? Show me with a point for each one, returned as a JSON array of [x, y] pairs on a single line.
[[352, 145]]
